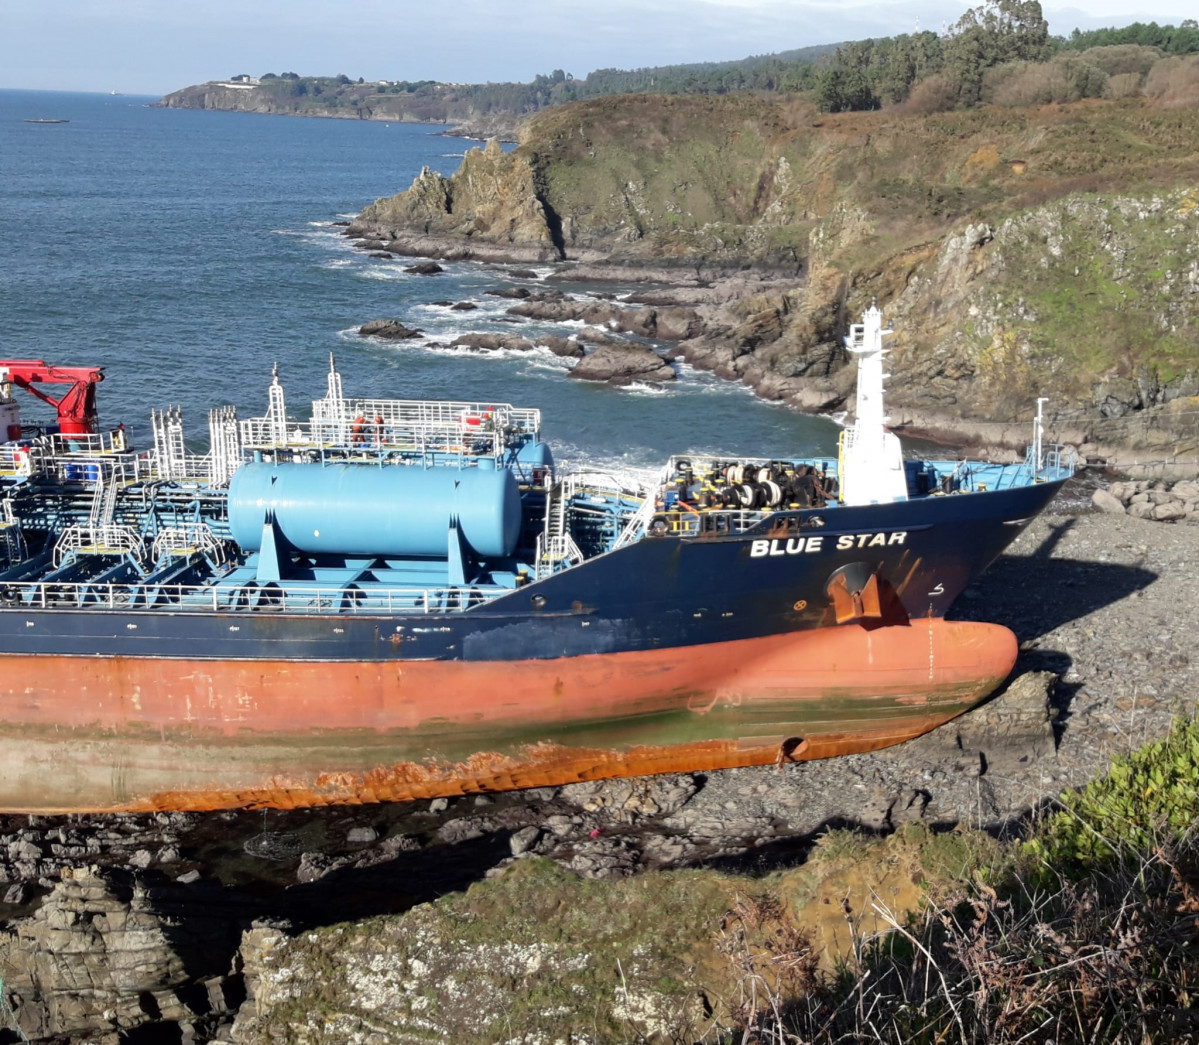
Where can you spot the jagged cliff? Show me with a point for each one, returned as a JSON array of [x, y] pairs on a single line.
[[1019, 252]]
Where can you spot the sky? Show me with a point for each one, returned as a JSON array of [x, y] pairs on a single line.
[[152, 47]]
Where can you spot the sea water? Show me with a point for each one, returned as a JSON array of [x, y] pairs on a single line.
[[188, 252]]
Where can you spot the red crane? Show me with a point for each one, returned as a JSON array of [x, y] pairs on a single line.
[[77, 408]]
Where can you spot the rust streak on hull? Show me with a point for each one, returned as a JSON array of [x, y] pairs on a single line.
[[95, 733]]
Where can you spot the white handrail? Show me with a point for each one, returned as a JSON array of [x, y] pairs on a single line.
[[238, 598]]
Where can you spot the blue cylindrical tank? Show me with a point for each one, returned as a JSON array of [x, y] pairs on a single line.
[[364, 510], [535, 455]]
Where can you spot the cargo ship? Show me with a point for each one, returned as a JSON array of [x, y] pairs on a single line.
[[390, 600]]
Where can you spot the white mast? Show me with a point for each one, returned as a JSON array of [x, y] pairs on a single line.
[[871, 458]]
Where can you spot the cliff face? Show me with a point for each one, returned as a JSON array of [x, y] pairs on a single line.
[[493, 198], [1018, 252]]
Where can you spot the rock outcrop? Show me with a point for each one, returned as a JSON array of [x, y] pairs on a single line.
[[108, 953], [493, 204], [389, 330], [623, 363]]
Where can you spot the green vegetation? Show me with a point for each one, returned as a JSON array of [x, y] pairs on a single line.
[[1183, 39], [1148, 799], [1112, 271]]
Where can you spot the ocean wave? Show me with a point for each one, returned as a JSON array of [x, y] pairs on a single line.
[[543, 362], [385, 274], [642, 388], [539, 358], [628, 468], [483, 311]]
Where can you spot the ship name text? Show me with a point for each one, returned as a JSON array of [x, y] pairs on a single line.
[[763, 549]]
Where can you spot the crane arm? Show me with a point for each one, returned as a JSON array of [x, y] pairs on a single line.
[[76, 408]]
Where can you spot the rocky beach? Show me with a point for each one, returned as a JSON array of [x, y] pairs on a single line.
[[161, 923]]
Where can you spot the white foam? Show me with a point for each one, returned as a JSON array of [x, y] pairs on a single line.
[[645, 389], [542, 358], [386, 275], [629, 468]]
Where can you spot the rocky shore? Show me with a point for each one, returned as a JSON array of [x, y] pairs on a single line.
[[743, 327], [161, 923]]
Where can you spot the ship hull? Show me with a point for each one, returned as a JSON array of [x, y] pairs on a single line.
[[128, 733], [665, 655]]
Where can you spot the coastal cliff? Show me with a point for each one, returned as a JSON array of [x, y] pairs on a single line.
[[1018, 252], [470, 109]]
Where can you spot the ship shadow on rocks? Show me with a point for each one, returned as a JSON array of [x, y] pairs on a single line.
[[1035, 594], [393, 886]]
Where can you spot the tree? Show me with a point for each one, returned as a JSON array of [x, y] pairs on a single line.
[[998, 31], [842, 90]]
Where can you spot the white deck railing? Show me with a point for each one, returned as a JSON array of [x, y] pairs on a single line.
[[247, 599]]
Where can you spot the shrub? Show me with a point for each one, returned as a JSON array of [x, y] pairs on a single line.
[[1173, 83], [1122, 58], [1067, 78], [1124, 85], [932, 95], [1146, 800]]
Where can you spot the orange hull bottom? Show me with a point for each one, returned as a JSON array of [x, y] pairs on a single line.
[[134, 734]]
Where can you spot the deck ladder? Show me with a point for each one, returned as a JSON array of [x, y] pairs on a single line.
[[555, 545]]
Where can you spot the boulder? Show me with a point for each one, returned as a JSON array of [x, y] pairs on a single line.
[[677, 324], [388, 329], [623, 364], [424, 268], [596, 336], [1105, 502], [1169, 512], [561, 346], [493, 342], [523, 840], [1186, 490]]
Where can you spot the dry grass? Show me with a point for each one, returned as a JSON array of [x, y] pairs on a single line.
[[1109, 959]]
